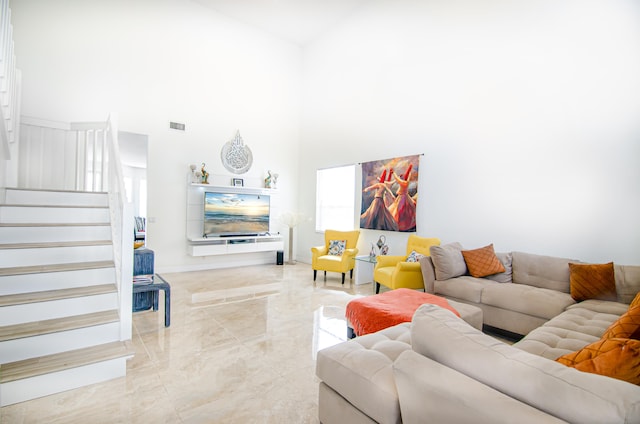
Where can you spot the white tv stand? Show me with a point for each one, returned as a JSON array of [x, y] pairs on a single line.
[[212, 245], [229, 245]]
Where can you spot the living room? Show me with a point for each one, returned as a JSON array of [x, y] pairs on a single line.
[[526, 113], [529, 136]]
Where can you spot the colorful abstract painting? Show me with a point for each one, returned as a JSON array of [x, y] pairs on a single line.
[[389, 194]]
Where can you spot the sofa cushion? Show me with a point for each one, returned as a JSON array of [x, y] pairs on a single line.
[[627, 282], [463, 288], [361, 371], [506, 276], [534, 301], [541, 271], [430, 392], [553, 342], [615, 357], [602, 306], [448, 261], [482, 262], [592, 281], [626, 327], [581, 324], [563, 392]]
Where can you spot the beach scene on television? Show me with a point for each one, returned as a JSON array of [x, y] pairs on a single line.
[[228, 214]]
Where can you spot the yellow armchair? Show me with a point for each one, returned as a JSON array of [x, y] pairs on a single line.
[[395, 272], [322, 260]]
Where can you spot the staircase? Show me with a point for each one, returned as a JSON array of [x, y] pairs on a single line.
[[66, 238], [60, 325]]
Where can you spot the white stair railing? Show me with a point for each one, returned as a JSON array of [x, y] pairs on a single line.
[[83, 156], [121, 224], [10, 83], [63, 156]]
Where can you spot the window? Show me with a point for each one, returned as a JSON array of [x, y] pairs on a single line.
[[335, 194]]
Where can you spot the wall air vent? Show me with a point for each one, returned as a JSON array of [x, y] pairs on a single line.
[[176, 126]]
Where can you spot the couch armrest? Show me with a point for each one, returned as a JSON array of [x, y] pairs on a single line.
[[351, 253], [428, 389], [428, 274], [408, 266], [316, 252], [388, 260], [319, 250]]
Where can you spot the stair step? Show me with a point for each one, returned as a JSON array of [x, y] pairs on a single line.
[[36, 328], [61, 361], [10, 234], [35, 269], [57, 197], [54, 224], [54, 244], [13, 213], [50, 295], [28, 205], [25, 283]]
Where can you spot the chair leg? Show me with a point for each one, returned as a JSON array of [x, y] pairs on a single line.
[[325, 276], [377, 287], [315, 272], [343, 278], [351, 274]]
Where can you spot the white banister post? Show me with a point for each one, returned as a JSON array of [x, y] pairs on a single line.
[[77, 164], [105, 159]]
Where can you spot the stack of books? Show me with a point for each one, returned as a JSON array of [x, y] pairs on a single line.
[[143, 279]]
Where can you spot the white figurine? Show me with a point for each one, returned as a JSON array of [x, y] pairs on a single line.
[[194, 177]]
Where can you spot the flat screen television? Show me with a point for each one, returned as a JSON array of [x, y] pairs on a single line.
[[235, 214]]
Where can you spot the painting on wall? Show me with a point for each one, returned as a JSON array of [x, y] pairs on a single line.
[[390, 193]]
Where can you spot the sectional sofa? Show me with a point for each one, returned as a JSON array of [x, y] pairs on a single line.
[[440, 369]]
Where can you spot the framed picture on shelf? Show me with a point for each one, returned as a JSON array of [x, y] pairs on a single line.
[[238, 182]]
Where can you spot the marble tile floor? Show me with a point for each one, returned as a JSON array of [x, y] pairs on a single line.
[[241, 349]]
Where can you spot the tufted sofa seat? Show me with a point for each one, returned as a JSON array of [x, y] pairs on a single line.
[[360, 373], [581, 324]]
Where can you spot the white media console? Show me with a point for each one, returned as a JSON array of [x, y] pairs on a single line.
[[240, 244], [207, 246]]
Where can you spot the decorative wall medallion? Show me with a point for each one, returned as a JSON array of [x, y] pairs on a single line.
[[236, 157]]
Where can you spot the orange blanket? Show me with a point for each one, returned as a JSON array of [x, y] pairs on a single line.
[[374, 313]]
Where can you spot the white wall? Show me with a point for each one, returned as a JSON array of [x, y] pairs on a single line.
[[155, 61], [526, 112]]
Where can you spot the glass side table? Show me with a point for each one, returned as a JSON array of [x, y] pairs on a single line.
[[364, 269]]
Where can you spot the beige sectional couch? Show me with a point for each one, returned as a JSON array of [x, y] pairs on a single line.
[[440, 369], [532, 290]]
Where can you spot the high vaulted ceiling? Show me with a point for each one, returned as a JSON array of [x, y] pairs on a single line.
[[298, 21]]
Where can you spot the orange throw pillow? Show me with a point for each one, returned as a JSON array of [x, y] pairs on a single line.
[[635, 301], [616, 358], [592, 281], [482, 262], [626, 327]]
